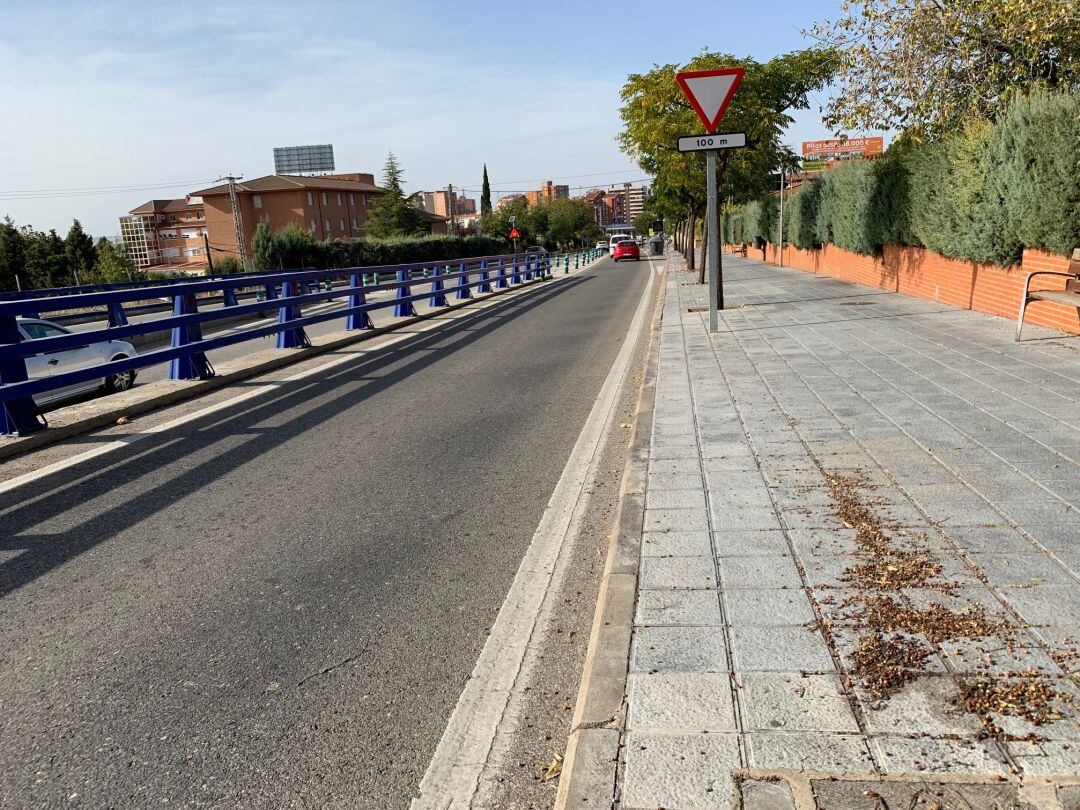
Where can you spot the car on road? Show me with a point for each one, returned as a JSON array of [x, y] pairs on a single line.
[[626, 249], [602, 245], [47, 364], [613, 241]]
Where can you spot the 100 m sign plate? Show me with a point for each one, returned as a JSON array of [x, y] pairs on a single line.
[[703, 143]]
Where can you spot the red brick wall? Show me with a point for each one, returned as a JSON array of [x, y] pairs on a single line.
[[925, 274]]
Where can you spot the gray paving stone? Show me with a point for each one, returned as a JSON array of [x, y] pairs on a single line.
[[742, 517], [759, 572], [768, 606], [927, 755], [802, 751], [812, 542], [762, 794], [676, 520], [1021, 569], [679, 649], [675, 544], [1045, 604], [751, 543], [1005, 540], [675, 465], [675, 499], [659, 480], [784, 701], [680, 702], [1049, 758], [679, 771], [924, 706], [679, 608], [827, 570], [779, 649], [677, 572]]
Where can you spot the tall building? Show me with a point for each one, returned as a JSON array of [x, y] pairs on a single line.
[[436, 202], [509, 198], [548, 191], [331, 206], [167, 234]]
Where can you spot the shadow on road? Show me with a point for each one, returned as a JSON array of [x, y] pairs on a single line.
[[48, 499]]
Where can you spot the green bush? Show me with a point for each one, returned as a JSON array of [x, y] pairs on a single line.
[[980, 194]]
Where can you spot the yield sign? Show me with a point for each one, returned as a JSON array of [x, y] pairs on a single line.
[[710, 92], [514, 233]]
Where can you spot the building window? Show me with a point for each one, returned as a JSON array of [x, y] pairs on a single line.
[[326, 225], [256, 200], [339, 198], [313, 226], [341, 225], [352, 199], [354, 222], [310, 200], [323, 197]]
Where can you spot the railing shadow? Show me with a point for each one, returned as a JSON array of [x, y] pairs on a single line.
[[49, 499]]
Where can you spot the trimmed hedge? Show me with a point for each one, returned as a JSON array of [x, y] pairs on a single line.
[[982, 194]]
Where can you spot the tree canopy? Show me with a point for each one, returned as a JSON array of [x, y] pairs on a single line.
[[485, 194], [655, 113], [931, 66], [393, 213]]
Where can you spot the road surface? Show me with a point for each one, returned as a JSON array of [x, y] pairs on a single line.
[[281, 604]]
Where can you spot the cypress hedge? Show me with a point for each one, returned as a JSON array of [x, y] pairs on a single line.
[[981, 194]]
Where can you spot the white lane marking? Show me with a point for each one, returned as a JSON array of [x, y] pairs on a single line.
[[125, 441], [453, 776]]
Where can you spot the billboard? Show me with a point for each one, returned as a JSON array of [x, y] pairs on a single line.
[[303, 159], [823, 154]]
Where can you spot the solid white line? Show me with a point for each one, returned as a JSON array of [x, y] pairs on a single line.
[[453, 776], [125, 441]]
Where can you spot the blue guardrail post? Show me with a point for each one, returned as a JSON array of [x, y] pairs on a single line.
[[515, 270], [463, 292], [229, 296], [438, 296], [295, 338], [501, 283], [405, 308], [357, 320], [485, 285], [193, 365], [17, 415]]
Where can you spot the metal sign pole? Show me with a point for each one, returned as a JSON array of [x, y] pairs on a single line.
[[713, 237]]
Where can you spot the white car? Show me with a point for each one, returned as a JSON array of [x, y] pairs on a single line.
[[601, 245], [613, 241], [46, 365]]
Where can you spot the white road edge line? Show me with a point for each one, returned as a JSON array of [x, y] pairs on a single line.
[[126, 441], [453, 776]]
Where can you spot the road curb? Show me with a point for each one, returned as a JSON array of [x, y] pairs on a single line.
[[140, 401], [590, 762]]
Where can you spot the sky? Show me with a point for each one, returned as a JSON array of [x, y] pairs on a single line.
[[146, 101]]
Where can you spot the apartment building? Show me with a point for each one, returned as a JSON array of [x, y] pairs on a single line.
[[548, 191], [438, 203], [330, 206], [169, 234]]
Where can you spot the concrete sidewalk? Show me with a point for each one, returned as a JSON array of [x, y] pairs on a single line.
[[860, 555]]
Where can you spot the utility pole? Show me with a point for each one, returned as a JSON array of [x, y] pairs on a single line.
[[781, 264], [209, 258], [238, 222], [450, 205]]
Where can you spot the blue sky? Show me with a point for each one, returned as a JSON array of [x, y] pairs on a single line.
[[118, 94]]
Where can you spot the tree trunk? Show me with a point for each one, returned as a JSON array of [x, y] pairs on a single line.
[[692, 251], [704, 252]]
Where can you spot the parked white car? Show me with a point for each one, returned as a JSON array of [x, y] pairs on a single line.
[[46, 365]]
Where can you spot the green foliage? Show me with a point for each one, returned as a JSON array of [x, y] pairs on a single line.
[[79, 253], [114, 263], [263, 254], [12, 256], [393, 213], [981, 194], [485, 195], [227, 266]]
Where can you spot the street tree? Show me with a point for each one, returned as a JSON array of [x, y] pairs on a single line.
[[393, 213], [12, 256], [485, 195], [930, 66], [79, 253], [263, 246], [114, 262], [655, 113]]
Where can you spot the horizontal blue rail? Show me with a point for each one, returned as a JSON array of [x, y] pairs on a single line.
[[287, 292]]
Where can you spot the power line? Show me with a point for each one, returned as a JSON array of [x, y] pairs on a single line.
[[90, 191]]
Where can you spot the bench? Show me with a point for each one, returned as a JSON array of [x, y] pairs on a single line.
[[739, 250], [1070, 296]]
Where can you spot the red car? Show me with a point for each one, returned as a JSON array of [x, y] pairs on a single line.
[[626, 249]]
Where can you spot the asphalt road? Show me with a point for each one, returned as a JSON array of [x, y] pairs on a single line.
[[279, 605]]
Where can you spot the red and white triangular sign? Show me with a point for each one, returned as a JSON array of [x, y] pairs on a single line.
[[710, 92]]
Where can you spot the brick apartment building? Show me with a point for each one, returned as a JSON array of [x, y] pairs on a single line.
[[167, 234], [437, 202], [548, 191], [331, 206]]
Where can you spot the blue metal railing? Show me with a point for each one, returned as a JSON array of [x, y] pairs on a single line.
[[287, 292]]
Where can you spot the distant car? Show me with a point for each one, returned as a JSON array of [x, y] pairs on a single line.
[[46, 365], [537, 249], [602, 245], [613, 241], [626, 249]]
